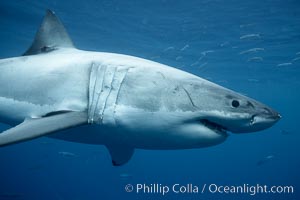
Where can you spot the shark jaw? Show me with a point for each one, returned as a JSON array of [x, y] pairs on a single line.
[[217, 128]]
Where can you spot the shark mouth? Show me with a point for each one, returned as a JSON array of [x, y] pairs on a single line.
[[214, 126]]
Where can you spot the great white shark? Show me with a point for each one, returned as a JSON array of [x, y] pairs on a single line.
[[120, 101]]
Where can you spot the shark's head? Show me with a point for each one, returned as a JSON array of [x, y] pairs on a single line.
[[177, 110], [222, 110]]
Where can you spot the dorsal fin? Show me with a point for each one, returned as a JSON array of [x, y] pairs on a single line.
[[51, 36]]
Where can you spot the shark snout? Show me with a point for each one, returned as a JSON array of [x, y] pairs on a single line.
[[264, 119], [268, 114]]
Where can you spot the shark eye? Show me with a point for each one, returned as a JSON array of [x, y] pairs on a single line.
[[235, 103]]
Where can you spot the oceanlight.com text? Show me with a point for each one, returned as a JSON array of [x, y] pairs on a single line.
[[189, 188]]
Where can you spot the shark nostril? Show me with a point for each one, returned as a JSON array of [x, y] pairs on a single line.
[[267, 111], [271, 114]]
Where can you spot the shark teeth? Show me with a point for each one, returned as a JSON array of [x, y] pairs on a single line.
[[213, 126]]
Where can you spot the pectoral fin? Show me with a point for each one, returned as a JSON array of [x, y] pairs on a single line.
[[33, 128], [120, 154]]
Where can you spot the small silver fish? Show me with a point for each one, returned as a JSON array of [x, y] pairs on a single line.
[[66, 154], [265, 160]]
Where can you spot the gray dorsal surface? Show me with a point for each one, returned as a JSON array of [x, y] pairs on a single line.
[[51, 35]]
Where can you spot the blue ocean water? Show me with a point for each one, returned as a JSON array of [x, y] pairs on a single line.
[[249, 46]]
